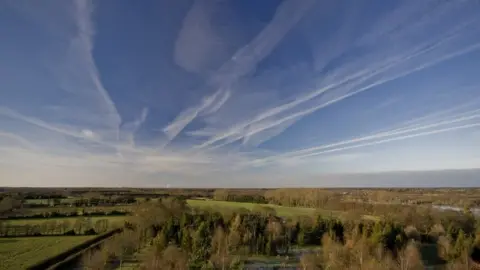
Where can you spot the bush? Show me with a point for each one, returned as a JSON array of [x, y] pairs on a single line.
[[90, 232], [70, 232]]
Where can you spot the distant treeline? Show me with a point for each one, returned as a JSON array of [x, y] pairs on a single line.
[[67, 214], [239, 196]]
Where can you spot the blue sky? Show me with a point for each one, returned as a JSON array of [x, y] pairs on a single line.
[[237, 93]]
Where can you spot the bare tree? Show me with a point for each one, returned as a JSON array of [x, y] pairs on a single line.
[[219, 247], [445, 248], [220, 195], [174, 258], [410, 258]]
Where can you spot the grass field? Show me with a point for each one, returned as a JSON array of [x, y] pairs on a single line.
[[46, 201], [280, 210], [20, 253], [216, 205]]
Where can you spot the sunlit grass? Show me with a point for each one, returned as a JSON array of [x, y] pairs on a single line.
[[283, 211], [20, 253]]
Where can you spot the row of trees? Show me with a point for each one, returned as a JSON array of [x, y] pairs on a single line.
[[458, 197], [327, 199], [236, 196], [104, 201], [83, 226], [312, 197]]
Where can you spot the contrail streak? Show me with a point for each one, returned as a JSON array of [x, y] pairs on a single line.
[[400, 131], [245, 59], [323, 105], [415, 121], [39, 123], [83, 20], [42, 124], [184, 118], [392, 139], [398, 60]]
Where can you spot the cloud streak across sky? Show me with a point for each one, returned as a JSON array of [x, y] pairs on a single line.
[[224, 93]]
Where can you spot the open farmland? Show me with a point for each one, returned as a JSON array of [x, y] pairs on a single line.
[[280, 210], [221, 206], [217, 205], [22, 252], [301, 216], [48, 201]]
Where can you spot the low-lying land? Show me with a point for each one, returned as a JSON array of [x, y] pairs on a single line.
[[242, 228]]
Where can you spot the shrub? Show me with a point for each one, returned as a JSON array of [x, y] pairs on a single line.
[[90, 231], [70, 232]]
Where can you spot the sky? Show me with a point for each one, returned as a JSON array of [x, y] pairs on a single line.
[[239, 93]]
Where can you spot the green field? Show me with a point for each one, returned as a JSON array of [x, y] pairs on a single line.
[[221, 206], [217, 205], [47, 201], [22, 252], [283, 211]]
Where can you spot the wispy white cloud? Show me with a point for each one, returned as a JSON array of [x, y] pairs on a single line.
[[403, 133], [225, 95], [42, 124], [82, 44], [88, 133], [85, 109], [185, 117], [452, 112], [76, 130], [128, 130], [398, 138], [437, 50], [65, 56], [19, 139], [243, 61]]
